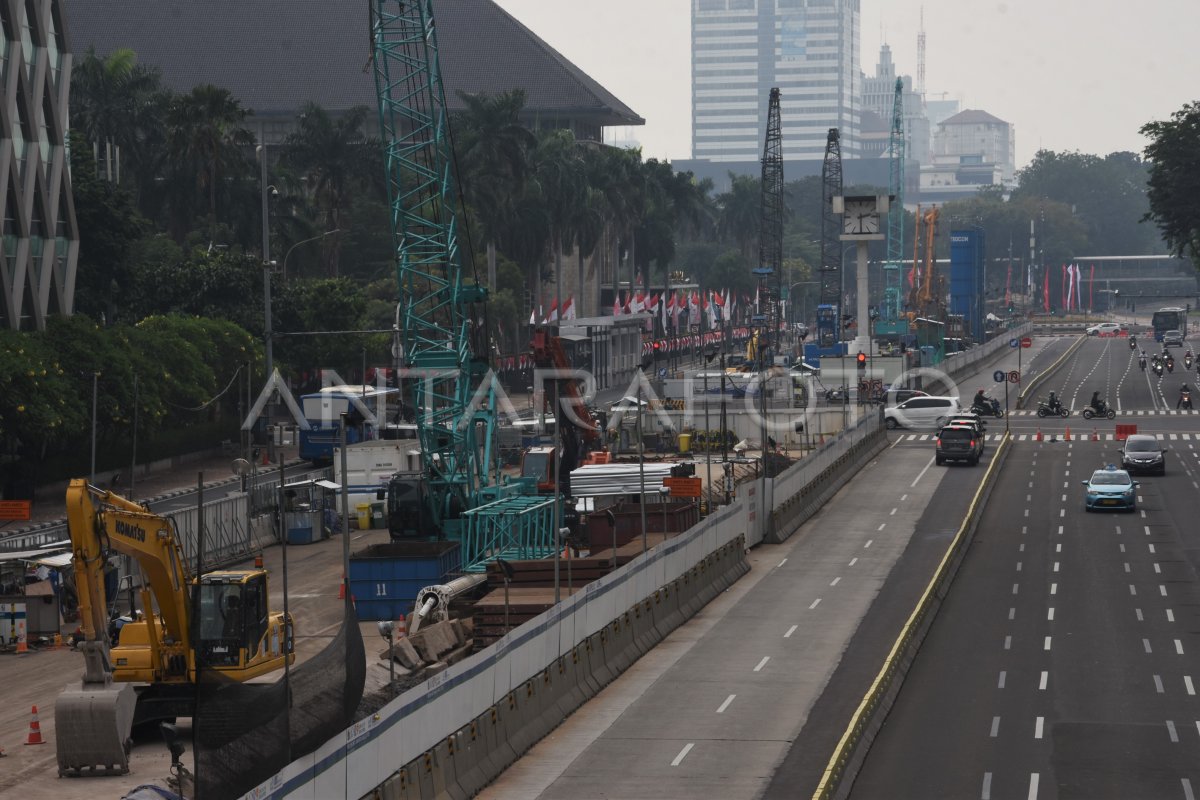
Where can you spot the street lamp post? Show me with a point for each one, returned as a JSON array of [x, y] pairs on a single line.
[[304, 241], [268, 191]]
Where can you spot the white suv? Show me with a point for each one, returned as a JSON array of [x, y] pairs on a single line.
[[922, 413], [1104, 329]]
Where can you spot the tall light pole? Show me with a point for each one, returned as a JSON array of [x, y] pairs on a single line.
[[267, 192]]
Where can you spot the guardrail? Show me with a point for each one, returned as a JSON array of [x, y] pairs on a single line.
[[1047, 372], [868, 717]]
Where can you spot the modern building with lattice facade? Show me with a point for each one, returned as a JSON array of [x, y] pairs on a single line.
[[40, 247]]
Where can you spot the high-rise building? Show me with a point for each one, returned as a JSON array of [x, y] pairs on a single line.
[[878, 96], [40, 246], [741, 49]]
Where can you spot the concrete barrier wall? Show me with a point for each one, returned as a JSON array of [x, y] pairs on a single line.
[[465, 725]]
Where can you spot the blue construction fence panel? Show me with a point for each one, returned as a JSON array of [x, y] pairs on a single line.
[[967, 277]]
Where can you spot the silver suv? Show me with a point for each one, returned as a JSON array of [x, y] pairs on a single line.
[[929, 412]]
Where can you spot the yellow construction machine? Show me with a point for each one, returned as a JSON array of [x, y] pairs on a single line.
[[214, 628]]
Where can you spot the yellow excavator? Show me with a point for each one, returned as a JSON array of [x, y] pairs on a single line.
[[215, 627]]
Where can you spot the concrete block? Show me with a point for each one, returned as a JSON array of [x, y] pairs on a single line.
[[469, 759], [406, 654]]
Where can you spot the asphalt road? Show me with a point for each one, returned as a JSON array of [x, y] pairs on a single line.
[[1062, 664]]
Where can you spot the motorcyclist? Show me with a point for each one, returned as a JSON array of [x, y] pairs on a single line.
[[1187, 359], [1096, 403], [1184, 391], [1132, 342], [1170, 359], [980, 400], [1053, 404], [1142, 361]]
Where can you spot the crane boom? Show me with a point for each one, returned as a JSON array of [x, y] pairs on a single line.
[[435, 304]]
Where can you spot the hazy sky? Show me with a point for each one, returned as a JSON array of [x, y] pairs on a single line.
[[1069, 74]]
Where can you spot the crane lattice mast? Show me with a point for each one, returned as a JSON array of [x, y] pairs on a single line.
[[435, 304], [892, 291], [831, 228], [770, 240]]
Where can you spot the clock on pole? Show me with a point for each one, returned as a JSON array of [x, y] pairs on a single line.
[[861, 216]]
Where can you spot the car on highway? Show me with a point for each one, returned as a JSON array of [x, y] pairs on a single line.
[[1143, 453], [1172, 338], [973, 421], [894, 396], [1110, 487], [958, 443], [1104, 328], [927, 412]]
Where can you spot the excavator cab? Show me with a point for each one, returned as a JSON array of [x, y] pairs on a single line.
[[237, 632]]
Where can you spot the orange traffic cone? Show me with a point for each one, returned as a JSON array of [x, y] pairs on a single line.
[[1067, 434], [35, 730], [1095, 436], [1038, 438], [342, 588]]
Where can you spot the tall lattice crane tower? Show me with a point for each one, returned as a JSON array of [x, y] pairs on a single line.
[[829, 312], [892, 272], [770, 234]]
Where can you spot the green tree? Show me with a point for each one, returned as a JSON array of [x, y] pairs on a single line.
[[1174, 195], [335, 161], [109, 224], [494, 161], [741, 214], [113, 104], [207, 140]]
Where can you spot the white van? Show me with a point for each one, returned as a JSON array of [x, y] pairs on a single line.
[[922, 413]]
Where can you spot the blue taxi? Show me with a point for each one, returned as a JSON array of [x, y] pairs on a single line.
[[1110, 487]]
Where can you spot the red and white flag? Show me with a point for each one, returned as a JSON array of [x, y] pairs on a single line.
[[616, 306], [568, 309], [533, 316], [553, 315]]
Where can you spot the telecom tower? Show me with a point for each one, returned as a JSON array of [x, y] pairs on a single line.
[[770, 234], [890, 322], [829, 312]]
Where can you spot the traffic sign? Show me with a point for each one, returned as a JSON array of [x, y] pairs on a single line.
[[998, 376], [1014, 376], [1026, 342], [683, 487], [14, 510], [1014, 342]]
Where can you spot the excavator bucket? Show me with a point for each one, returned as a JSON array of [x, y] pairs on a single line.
[[92, 727]]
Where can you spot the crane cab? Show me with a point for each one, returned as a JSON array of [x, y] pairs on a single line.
[[537, 464], [238, 635]]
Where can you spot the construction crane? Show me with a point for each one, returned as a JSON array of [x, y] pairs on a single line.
[[927, 295], [890, 322], [443, 353], [770, 232], [829, 314]]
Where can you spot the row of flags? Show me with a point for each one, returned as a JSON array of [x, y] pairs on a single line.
[[568, 311], [1072, 288]]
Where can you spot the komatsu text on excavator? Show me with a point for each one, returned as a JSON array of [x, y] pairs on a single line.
[[218, 627]]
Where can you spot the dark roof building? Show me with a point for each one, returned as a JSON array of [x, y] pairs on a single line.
[[276, 57]]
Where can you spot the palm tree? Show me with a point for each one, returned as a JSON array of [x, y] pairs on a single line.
[[109, 101], [494, 148], [333, 159], [558, 171], [741, 213], [206, 138]]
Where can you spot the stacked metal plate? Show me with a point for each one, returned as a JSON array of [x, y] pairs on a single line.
[[594, 480]]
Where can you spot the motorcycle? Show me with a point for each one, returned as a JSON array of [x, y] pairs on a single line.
[[1185, 400], [1046, 410], [1102, 411], [1158, 368], [1142, 363], [1133, 343], [1187, 360], [990, 406], [1170, 364]]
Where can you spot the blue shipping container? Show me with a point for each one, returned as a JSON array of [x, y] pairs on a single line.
[[385, 578]]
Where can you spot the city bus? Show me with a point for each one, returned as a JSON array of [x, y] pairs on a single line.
[[366, 410], [1168, 319]]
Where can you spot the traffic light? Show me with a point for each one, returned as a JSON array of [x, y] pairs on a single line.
[[862, 362]]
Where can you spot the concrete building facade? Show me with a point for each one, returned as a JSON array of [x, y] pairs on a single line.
[[982, 144], [741, 49], [878, 96], [40, 247]]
